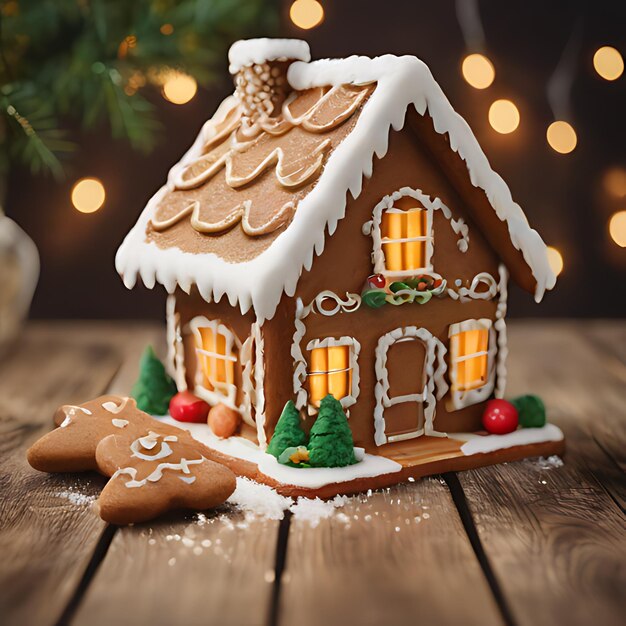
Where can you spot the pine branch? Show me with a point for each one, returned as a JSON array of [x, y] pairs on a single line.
[[76, 59], [32, 130]]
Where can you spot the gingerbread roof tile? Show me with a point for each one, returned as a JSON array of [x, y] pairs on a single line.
[[249, 205]]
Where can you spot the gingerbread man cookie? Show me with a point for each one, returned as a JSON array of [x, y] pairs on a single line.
[[72, 446], [153, 467], [155, 473]]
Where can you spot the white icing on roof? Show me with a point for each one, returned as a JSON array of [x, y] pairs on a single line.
[[257, 51], [260, 283]]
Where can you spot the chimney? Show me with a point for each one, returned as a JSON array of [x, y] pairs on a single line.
[[259, 67]]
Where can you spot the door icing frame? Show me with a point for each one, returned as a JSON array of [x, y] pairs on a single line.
[[434, 368]]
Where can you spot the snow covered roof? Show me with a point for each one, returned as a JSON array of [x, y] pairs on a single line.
[[261, 281]]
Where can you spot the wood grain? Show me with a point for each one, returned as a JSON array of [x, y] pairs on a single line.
[[45, 540], [583, 388], [555, 541], [181, 571], [399, 556], [555, 536]]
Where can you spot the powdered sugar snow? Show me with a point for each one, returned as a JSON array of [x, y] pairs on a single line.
[[313, 510], [74, 497], [265, 502], [259, 499]]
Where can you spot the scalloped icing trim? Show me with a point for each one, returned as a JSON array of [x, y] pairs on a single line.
[[260, 283]]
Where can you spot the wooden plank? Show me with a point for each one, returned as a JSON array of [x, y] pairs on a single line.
[[609, 335], [46, 540], [181, 571], [399, 556], [218, 570], [554, 537], [581, 386]]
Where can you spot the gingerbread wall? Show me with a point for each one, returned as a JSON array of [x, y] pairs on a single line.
[[344, 267]]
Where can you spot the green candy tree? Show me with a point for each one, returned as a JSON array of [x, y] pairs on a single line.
[[288, 432], [331, 443], [154, 388]]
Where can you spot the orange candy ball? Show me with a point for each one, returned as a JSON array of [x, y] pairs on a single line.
[[224, 421]]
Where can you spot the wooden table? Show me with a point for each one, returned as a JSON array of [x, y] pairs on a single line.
[[525, 543]]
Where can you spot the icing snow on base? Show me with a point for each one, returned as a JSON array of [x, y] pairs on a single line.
[[311, 477], [476, 444]]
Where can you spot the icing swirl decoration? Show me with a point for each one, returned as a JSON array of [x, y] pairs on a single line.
[[214, 192]]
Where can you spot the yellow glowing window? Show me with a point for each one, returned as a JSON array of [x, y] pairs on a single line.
[[216, 357], [406, 239], [469, 353], [330, 372]]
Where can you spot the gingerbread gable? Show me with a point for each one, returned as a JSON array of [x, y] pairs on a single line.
[[248, 206]]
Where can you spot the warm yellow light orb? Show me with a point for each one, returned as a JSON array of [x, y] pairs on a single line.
[[555, 259], [504, 116], [617, 228], [561, 137], [306, 14], [478, 71], [615, 182], [608, 62], [179, 88], [88, 195]]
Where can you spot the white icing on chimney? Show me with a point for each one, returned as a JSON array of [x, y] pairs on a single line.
[[258, 51]]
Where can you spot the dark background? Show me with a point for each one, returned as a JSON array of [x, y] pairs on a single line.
[[563, 196]]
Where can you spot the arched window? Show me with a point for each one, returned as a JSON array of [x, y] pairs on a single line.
[[333, 369], [472, 368], [402, 234], [406, 238], [218, 373]]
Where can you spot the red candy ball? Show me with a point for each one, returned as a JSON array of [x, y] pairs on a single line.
[[185, 407], [377, 281], [500, 417]]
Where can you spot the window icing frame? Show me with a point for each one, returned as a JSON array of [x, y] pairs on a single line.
[[302, 393], [430, 205], [223, 392], [461, 399]]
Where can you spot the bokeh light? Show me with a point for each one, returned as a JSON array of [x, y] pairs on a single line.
[[561, 137], [306, 14], [88, 195], [615, 182], [478, 71], [179, 88], [555, 259], [617, 228], [504, 116], [608, 62], [166, 29]]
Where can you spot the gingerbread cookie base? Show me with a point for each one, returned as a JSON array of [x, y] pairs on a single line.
[[434, 455]]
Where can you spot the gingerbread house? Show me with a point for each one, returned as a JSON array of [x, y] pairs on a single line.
[[336, 228]]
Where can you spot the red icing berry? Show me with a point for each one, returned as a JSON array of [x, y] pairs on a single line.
[[500, 417], [377, 281], [437, 282], [185, 407], [421, 285]]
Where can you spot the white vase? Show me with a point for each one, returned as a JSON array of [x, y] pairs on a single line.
[[19, 273]]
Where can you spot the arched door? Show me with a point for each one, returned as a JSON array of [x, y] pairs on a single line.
[[405, 401]]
